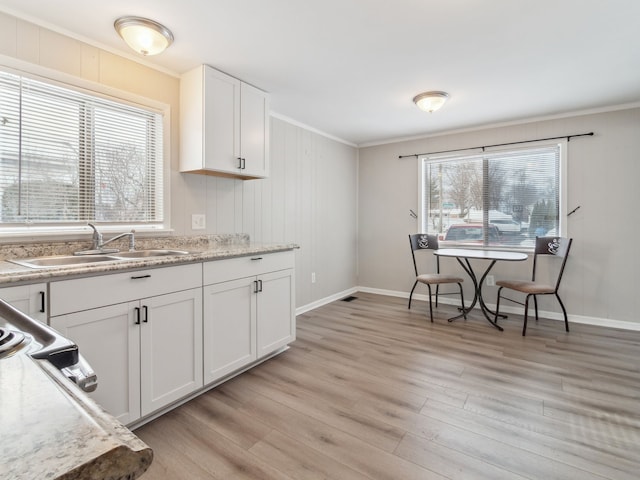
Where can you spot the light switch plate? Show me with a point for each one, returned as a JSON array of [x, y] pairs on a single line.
[[198, 221]]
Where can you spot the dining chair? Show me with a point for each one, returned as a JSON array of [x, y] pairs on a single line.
[[556, 246], [423, 241]]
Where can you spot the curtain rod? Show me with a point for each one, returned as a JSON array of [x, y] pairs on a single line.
[[568, 137]]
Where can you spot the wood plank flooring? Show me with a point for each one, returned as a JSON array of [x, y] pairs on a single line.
[[371, 390]]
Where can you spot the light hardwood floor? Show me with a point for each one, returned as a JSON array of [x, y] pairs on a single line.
[[371, 390]]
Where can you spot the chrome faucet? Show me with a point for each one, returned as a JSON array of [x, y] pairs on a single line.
[[98, 243]]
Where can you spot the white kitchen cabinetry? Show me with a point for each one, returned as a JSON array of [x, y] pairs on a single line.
[[229, 329], [109, 340], [143, 340], [29, 299], [224, 125], [248, 311]]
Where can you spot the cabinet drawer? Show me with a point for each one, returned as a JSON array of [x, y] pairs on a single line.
[[240, 267], [84, 293]]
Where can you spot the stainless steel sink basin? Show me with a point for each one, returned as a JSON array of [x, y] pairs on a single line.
[[62, 261], [148, 253]]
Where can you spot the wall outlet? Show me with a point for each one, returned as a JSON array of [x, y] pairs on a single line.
[[491, 281], [198, 221], [313, 277]]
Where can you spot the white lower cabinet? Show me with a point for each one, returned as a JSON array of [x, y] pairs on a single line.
[[170, 348], [156, 336], [29, 299], [147, 352], [246, 318], [110, 342], [276, 312], [229, 327]]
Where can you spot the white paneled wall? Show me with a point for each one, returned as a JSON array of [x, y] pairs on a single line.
[[309, 199]]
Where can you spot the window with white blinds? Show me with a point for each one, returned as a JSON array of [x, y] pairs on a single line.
[[68, 157], [501, 198]]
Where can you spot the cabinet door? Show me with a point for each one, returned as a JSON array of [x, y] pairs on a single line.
[[170, 348], [109, 339], [29, 299], [254, 131], [276, 321], [229, 327], [221, 121]]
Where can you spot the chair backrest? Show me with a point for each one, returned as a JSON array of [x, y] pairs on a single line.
[[557, 246], [423, 241]]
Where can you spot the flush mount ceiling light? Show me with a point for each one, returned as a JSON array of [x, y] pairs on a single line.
[[143, 35], [430, 101]]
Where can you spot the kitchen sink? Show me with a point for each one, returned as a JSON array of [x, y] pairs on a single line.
[[76, 260], [62, 261], [148, 253]]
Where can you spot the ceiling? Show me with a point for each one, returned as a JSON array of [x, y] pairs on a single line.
[[350, 68]]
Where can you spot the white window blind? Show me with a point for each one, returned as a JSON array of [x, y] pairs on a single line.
[[68, 157], [502, 198]]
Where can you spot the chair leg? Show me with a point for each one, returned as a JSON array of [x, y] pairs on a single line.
[[526, 313], [411, 294], [497, 306], [535, 306], [437, 290], [564, 311], [430, 307], [464, 312]]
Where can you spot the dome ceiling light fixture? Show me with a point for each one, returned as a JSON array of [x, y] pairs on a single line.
[[430, 101], [143, 35]]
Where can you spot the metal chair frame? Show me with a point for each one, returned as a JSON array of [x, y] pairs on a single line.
[[425, 241], [557, 246]]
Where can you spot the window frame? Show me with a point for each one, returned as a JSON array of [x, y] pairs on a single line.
[[60, 231], [562, 145]]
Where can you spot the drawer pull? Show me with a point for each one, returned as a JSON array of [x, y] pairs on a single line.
[[41, 302], [140, 276], [145, 319], [256, 258], [259, 285], [137, 310]]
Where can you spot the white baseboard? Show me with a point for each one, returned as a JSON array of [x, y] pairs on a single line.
[[324, 301], [454, 300]]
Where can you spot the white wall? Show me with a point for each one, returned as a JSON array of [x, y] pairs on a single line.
[[603, 270], [309, 199]]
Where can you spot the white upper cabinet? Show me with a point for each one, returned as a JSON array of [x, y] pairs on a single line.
[[224, 125]]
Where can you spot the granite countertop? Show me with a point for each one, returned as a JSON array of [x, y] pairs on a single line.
[[52, 431], [11, 273]]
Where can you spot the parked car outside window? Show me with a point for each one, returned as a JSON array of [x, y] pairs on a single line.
[[507, 227], [471, 233]]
